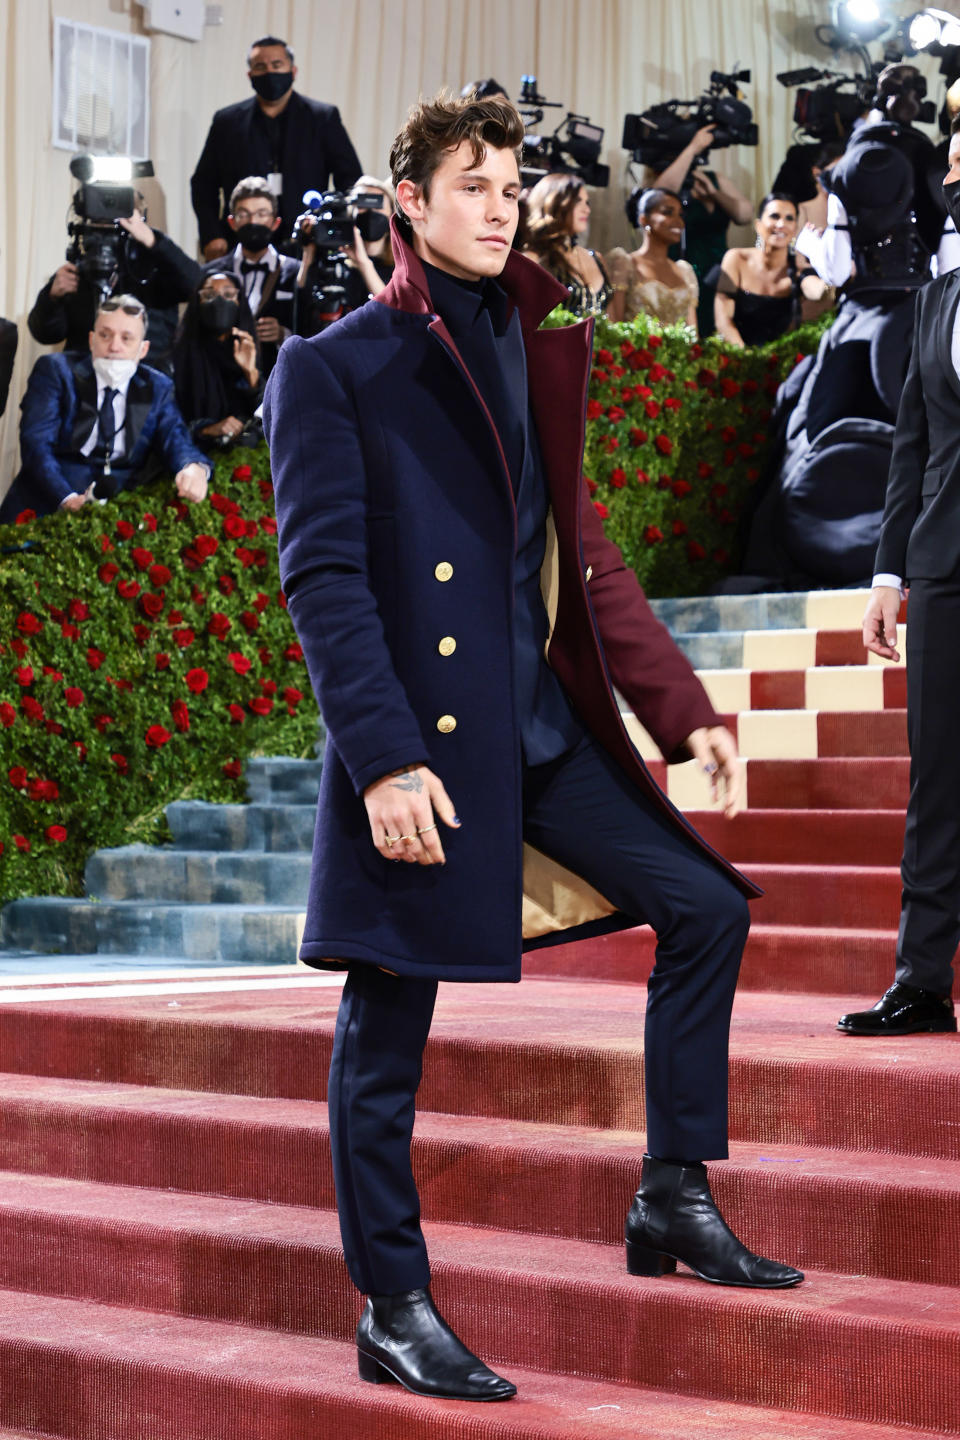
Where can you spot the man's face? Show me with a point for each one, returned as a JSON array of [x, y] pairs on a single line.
[[254, 210], [468, 224], [953, 159], [118, 336], [265, 59]]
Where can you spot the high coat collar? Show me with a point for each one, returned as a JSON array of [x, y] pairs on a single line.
[[531, 289]]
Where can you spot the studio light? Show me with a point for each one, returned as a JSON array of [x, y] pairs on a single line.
[[859, 21], [931, 30]]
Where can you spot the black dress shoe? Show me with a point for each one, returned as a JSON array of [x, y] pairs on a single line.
[[673, 1217], [903, 1010], [404, 1338]]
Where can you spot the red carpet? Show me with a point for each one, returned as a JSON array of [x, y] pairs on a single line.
[[169, 1255]]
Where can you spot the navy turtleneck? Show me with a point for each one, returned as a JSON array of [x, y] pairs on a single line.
[[485, 328]]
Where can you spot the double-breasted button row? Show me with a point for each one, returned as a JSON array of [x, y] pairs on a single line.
[[446, 646]]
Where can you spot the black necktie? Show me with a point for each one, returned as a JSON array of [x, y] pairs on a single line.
[[107, 424]]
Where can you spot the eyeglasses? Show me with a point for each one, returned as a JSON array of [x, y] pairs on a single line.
[[265, 214]]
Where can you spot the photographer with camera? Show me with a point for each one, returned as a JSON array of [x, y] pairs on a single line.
[[293, 141], [346, 256], [119, 255], [96, 423], [217, 365], [267, 278]]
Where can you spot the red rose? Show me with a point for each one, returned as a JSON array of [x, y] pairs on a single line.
[[626, 348], [704, 470], [664, 445], [652, 409], [183, 638], [18, 777], [728, 434], [129, 589], [102, 721], [610, 444], [7, 715], [679, 528], [249, 621], [28, 624], [24, 676], [19, 648], [106, 544], [157, 736], [252, 528], [223, 504], [95, 658], [24, 518], [673, 404], [654, 341], [69, 632], [43, 790], [653, 535], [615, 413], [269, 687], [124, 529], [31, 708], [696, 551], [281, 600], [590, 484], [218, 624], [108, 572], [234, 526], [242, 472], [226, 585], [78, 610], [206, 545], [143, 559], [175, 618], [244, 555], [150, 522], [181, 716], [293, 652], [21, 842], [594, 409], [151, 605], [638, 437], [159, 576], [618, 478], [266, 488], [681, 488], [121, 762], [141, 633], [196, 680], [601, 509], [268, 525], [161, 661], [232, 769], [643, 478], [198, 596], [239, 662], [292, 695], [261, 705], [261, 602], [56, 833], [73, 696], [237, 716], [265, 655], [54, 674]]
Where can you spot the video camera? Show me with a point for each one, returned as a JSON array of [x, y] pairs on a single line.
[[329, 222], [573, 148], [106, 195], [658, 134], [829, 109]]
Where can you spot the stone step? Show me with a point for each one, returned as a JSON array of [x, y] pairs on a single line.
[[198, 877], [861, 688], [815, 609], [235, 934], [197, 825], [273, 778]]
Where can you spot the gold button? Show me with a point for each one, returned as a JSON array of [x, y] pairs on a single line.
[[444, 570], [446, 723], [589, 572], [447, 645]]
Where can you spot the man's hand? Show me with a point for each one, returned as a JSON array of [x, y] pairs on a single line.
[[880, 621], [191, 482], [269, 330], [65, 280], [215, 248], [715, 751], [403, 809], [139, 229], [703, 139], [75, 501], [702, 187], [230, 426]]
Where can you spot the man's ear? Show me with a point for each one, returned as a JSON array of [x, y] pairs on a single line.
[[410, 199], [231, 222], [276, 223], [144, 347], [90, 340]]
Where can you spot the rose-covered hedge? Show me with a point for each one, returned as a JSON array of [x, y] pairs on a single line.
[[677, 436], [145, 651], [145, 647]]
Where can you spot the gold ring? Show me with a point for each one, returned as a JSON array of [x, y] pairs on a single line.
[[407, 837], [392, 839], [426, 829]]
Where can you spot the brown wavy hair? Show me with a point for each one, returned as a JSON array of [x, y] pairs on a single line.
[[549, 208]]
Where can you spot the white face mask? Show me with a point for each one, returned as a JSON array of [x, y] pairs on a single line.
[[114, 373]]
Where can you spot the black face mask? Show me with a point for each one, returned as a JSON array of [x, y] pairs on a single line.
[[218, 314], [273, 85], [951, 197], [372, 224], [254, 237]]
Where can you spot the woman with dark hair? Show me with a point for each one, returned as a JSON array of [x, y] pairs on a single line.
[[761, 290], [647, 281], [216, 364], [558, 213]]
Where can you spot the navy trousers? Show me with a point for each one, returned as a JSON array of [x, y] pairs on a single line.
[[583, 811]]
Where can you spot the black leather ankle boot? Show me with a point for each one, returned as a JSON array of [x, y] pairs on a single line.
[[673, 1217], [404, 1338]]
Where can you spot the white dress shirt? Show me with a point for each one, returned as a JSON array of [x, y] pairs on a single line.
[[252, 283], [119, 420]]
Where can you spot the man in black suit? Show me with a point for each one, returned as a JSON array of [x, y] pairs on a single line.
[[295, 142], [920, 544]]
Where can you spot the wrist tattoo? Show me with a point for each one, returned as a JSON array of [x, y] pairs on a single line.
[[408, 780]]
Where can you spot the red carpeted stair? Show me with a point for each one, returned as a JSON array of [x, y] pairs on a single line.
[[169, 1254]]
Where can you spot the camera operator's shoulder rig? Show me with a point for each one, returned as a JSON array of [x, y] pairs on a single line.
[[875, 182]]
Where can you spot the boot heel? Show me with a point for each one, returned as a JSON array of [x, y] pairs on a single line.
[[641, 1260], [371, 1370]]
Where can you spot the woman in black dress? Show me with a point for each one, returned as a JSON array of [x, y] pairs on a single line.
[[761, 291], [216, 365], [557, 214]]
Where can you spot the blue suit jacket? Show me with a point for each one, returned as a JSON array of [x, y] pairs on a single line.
[[58, 413]]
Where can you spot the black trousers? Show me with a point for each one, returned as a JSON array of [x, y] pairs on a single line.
[[585, 813], [930, 869]]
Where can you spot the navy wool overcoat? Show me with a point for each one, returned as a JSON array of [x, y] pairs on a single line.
[[397, 532]]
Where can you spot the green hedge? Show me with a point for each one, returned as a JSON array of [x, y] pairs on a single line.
[[145, 647]]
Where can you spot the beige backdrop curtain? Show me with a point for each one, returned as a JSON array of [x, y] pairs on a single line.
[[601, 58]]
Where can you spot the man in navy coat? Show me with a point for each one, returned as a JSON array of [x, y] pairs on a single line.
[[465, 620], [97, 423]]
